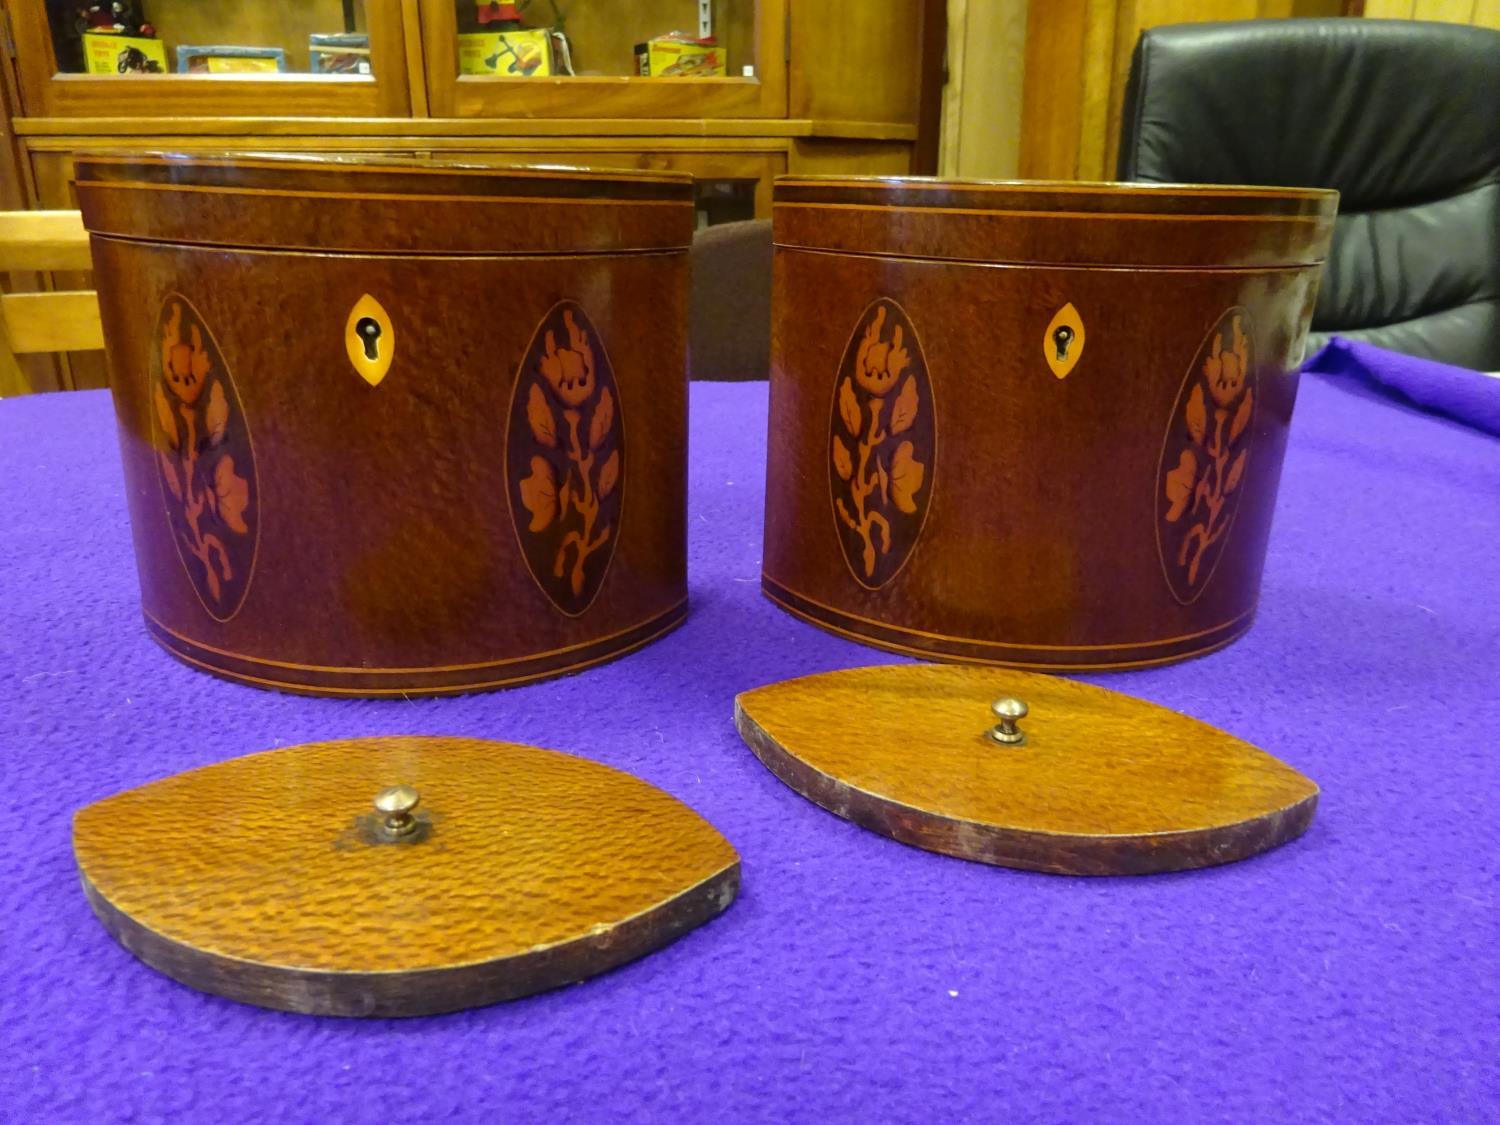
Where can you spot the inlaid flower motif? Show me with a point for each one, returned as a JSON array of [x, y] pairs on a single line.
[[879, 362], [205, 459], [1209, 439], [185, 365], [566, 458], [569, 370], [1225, 370], [880, 485]]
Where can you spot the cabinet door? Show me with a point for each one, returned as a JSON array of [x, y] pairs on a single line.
[[480, 66], [274, 58]]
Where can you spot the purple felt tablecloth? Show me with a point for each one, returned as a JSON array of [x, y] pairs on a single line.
[[1353, 975]]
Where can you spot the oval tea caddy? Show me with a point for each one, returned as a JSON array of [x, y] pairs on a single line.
[[395, 503], [1108, 371]]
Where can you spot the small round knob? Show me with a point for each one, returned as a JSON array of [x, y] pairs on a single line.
[[396, 805], [1010, 711]]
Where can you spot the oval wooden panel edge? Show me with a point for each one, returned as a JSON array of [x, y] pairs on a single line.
[[1026, 849], [425, 992]]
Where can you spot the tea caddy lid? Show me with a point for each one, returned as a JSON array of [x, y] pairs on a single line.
[[398, 876], [1035, 222], [385, 205], [1023, 770]]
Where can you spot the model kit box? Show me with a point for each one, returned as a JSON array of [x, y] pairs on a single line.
[[673, 57], [510, 54], [106, 53]]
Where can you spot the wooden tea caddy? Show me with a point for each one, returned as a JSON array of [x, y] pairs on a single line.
[[1031, 424], [397, 428], [1023, 770], [398, 876]]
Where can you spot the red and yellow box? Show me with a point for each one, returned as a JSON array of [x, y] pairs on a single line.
[[669, 57]]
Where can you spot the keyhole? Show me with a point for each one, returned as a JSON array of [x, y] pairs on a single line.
[[1062, 336], [369, 332]]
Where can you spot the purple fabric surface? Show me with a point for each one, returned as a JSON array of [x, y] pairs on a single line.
[[1454, 392], [1353, 975]]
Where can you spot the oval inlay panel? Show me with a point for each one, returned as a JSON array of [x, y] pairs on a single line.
[[566, 458], [205, 459], [1205, 455], [881, 444]]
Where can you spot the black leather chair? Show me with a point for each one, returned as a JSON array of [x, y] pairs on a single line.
[[1402, 117]]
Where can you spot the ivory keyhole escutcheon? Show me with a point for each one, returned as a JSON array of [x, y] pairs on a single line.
[[370, 339], [1062, 343]]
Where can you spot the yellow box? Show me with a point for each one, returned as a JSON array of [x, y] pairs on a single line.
[[123, 54], [510, 54], [676, 58]]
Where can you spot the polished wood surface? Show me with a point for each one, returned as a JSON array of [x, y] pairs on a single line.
[[310, 520], [266, 878], [32, 324], [1027, 424], [1103, 785]]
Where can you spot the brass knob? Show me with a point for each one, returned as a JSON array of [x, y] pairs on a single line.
[[1010, 711], [396, 805]]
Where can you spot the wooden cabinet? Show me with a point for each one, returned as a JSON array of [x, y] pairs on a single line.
[[809, 86]]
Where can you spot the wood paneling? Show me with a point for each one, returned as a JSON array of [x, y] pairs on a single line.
[[982, 102], [849, 64]]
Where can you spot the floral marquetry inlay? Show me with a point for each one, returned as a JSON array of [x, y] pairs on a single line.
[[566, 458], [205, 459], [882, 444], [1205, 456]]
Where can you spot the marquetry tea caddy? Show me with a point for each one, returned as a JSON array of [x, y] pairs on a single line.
[[1023, 770], [1031, 424], [398, 876], [397, 428]]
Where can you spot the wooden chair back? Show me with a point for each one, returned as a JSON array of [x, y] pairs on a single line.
[[31, 323]]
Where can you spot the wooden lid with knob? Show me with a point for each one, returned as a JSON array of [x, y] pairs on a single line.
[[303, 879], [1024, 770]]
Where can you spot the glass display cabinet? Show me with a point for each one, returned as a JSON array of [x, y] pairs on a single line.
[[733, 91]]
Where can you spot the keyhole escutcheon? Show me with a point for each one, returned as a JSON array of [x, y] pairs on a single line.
[[1062, 345], [370, 339]]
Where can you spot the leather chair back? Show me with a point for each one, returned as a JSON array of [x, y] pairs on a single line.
[[1402, 117]]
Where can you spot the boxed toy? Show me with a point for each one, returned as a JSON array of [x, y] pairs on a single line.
[[108, 53], [516, 54], [678, 56]]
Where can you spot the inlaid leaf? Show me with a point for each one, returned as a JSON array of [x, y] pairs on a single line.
[[1197, 414], [1241, 416], [169, 474], [604, 419], [849, 407], [906, 478], [539, 416], [216, 417], [539, 494], [166, 418], [1237, 470], [904, 413], [609, 474], [841, 462], [1180, 484], [233, 492]]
